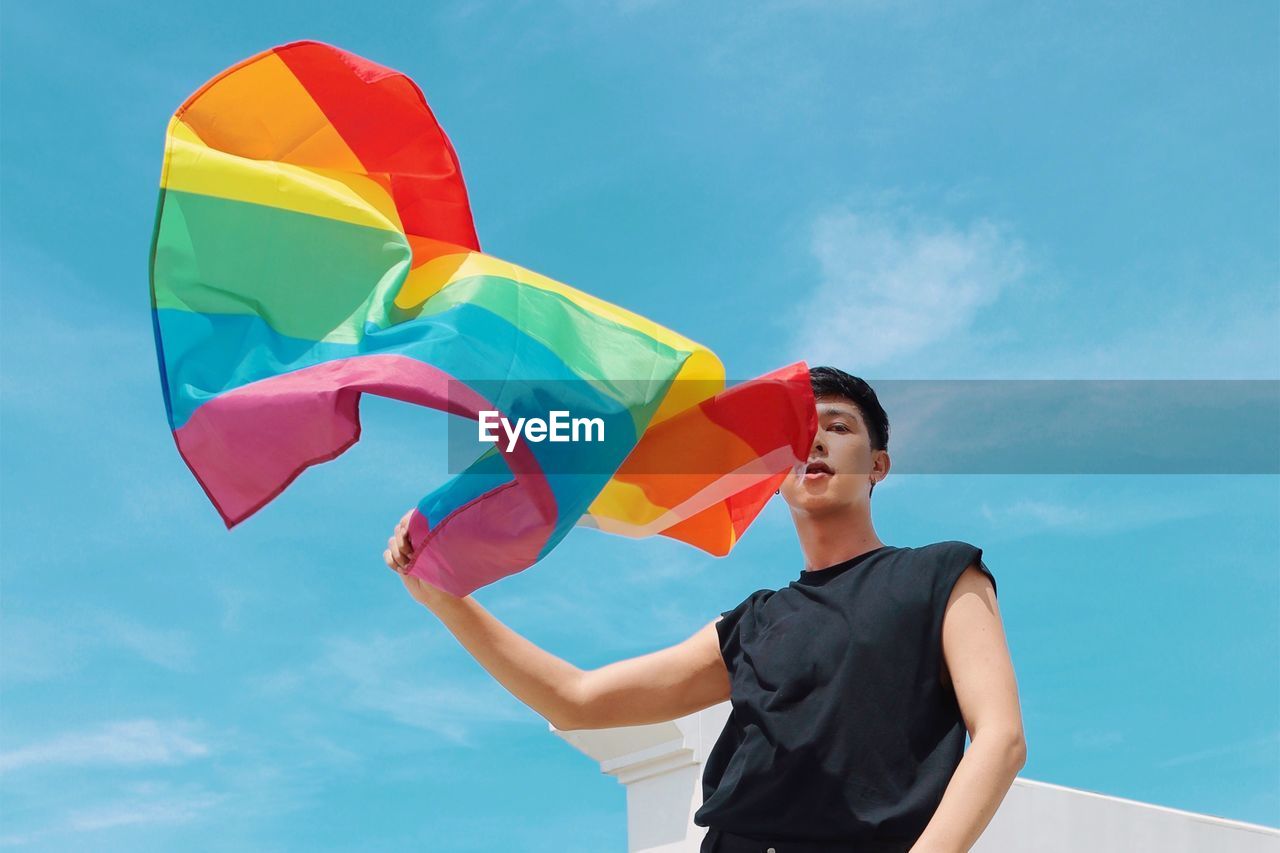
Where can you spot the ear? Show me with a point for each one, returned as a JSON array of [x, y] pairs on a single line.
[[880, 464]]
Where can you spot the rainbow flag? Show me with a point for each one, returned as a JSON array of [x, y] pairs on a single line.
[[314, 242]]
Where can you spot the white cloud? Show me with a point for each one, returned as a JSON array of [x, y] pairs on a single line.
[[1094, 516], [1097, 739], [53, 361], [630, 608], [399, 677], [1221, 336], [38, 650], [151, 804], [659, 569], [145, 803], [1263, 748], [131, 742], [35, 650], [907, 292], [376, 679], [21, 839], [1044, 513], [892, 283], [168, 648], [233, 600]]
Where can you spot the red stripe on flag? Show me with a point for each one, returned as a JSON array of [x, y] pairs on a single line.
[[385, 119]]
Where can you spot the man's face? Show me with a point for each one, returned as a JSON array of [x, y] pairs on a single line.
[[841, 446]]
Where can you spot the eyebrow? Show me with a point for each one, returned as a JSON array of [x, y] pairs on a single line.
[[832, 410]]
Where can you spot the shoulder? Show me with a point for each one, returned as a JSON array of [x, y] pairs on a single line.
[[738, 624], [733, 614], [953, 559], [949, 548]]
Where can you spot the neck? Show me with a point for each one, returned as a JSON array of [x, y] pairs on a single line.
[[830, 539]]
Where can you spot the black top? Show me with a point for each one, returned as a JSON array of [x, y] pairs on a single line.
[[841, 728]]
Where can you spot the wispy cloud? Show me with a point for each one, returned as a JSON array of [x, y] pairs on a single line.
[[138, 804], [130, 742], [1030, 515], [54, 365], [636, 605], [376, 679], [1264, 749], [1218, 336], [664, 568], [1044, 513], [892, 283], [895, 287], [41, 650], [169, 648], [148, 803], [36, 650], [1095, 739], [400, 678], [233, 600]]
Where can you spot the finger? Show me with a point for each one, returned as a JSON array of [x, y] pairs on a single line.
[[404, 547], [398, 551], [405, 543], [394, 560], [402, 529], [391, 563]]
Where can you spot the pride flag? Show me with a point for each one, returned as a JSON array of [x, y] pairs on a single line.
[[314, 242]]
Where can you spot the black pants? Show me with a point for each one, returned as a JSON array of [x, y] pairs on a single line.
[[719, 841]]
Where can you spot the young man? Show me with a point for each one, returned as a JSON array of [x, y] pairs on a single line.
[[852, 687]]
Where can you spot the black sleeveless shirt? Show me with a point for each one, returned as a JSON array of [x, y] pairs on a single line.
[[841, 728]]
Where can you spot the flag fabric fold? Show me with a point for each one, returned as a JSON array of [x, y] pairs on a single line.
[[314, 242]]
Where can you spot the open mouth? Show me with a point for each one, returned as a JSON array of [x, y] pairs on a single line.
[[816, 470]]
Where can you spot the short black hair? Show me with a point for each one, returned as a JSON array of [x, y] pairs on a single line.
[[832, 382]]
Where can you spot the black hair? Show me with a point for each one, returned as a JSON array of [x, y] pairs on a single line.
[[831, 382]]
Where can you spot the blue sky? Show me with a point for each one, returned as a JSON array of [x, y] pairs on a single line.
[[913, 190]]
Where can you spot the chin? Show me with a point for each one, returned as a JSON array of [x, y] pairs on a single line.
[[822, 501]]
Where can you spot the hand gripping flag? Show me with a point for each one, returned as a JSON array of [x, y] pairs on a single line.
[[314, 242]]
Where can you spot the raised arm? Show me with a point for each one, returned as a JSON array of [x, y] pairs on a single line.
[[651, 688], [662, 685]]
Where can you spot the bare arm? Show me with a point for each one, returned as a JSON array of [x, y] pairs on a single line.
[[663, 685], [977, 658], [651, 688]]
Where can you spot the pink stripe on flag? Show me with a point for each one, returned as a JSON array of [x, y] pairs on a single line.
[[247, 445]]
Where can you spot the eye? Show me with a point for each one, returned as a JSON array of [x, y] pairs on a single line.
[[840, 427]]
